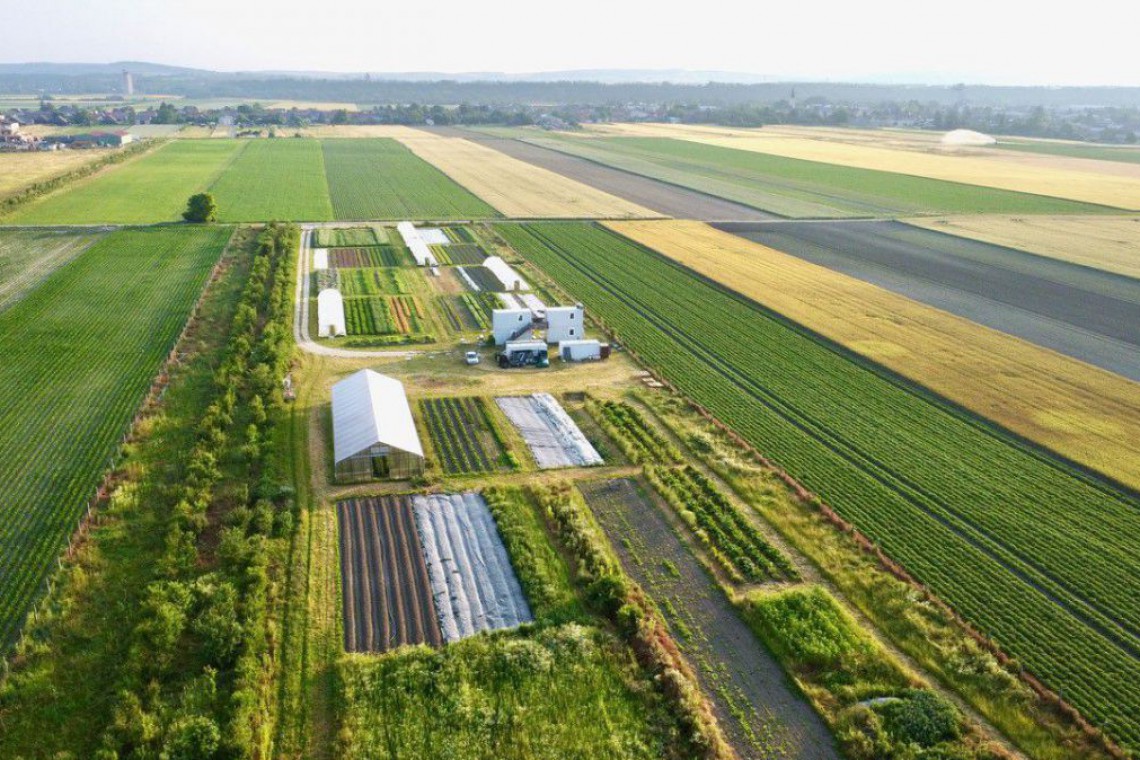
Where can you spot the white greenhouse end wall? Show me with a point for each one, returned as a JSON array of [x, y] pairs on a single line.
[[330, 314]]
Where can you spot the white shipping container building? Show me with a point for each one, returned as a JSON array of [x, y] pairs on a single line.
[[330, 314], [565, 323], [510, 324], [320, 258], [579, 350], [502, 270]]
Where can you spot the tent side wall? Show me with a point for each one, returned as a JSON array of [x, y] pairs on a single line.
[[364, 466]]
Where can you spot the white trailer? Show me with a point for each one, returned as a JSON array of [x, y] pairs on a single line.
[[581, 350]]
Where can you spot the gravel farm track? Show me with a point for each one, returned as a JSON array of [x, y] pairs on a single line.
[[387, 596], [653, 194], [1084, 313], [760, 711]]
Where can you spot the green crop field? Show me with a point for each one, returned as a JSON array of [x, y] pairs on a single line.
[[151, 189], [381, 179], [797, 188], [1035, 555], [1127, 154], [27, 257], [79, 357], [275, 179]]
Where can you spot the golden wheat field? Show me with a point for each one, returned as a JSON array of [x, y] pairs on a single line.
[[1111, 243], [18, 170], [1074, 179], [516, 188], [1084, 413]]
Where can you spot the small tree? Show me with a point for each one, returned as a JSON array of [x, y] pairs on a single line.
[[201, 208]]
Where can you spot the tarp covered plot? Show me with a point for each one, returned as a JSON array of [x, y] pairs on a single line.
[[374, 435], [472, 582], [330, 314], [553, 438]]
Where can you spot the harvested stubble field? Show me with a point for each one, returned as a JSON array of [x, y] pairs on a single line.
[[995, 170], [1111, 243], [27, 257], [462, 434], [756, 706], [382, 179], [1088, 415], [78, 360], [1087, 314], [151, 189], [386, 591], [1033, 552], [801, 188], [18, 170], [274, 179], [516, 188]]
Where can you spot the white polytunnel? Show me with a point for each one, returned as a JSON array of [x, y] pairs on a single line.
[[320, 258], [415, 242], [330, 313], [374, 435], [502, 270]]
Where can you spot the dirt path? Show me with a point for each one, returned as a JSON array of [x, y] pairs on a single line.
[[758, 709]]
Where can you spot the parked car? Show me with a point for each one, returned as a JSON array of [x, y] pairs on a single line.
[[471, 357]]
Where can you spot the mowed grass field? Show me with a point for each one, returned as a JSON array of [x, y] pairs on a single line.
[[799, 188], [27, 257], [1083, 413], [992, 170], [516, 188], [1032, 552], [151, 189], [285, 179], [274, 180], [79, 357], [379, 178], [1108, 243]]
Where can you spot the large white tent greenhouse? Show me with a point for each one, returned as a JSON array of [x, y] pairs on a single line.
[[330, 314], [374, 435]]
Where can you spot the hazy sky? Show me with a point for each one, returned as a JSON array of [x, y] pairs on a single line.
[[993, 41]]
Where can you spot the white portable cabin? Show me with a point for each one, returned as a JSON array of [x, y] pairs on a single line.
[[579, 350], [330, 313], [502, 270], [374, 435], [565, 323], [511, 324], [320, 258]]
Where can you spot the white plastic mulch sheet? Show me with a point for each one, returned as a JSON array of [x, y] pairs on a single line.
[[472, 582], [320, 258], [552, 436], [434, 236]]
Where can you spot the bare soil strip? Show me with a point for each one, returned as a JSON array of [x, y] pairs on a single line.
[[387, 602], [759, 710], [669, 200], [1087, 314]]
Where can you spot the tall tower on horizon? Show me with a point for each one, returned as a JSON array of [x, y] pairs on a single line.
[[128, 83]]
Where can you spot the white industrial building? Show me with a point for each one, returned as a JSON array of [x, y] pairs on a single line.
[[374, 435], [415, 242], [565, 323], [330, 314]]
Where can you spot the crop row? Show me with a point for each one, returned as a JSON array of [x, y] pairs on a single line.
[[462, 254], [344, 237], [637, 438], [361, 257], [371, 282], [1033, 553], [79, 355], [477, 311], [458, 427], [733, 542], [484, 279]]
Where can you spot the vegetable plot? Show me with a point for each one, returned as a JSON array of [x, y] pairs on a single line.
[[387, 598], [1032, 552], [553, 438], [464, 437]]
